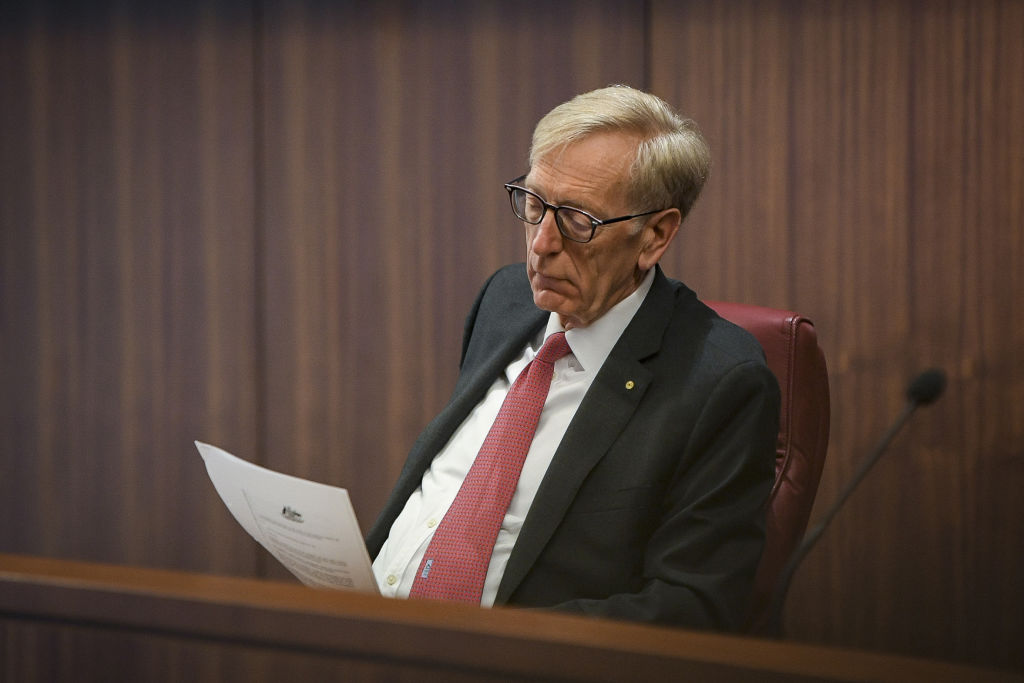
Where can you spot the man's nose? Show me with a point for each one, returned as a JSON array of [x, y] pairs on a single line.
[[546, 237]]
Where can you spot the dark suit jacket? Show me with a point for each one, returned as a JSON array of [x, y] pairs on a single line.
[[653, 506]]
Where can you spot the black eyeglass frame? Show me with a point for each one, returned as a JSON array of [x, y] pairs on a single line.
[[595, 223]]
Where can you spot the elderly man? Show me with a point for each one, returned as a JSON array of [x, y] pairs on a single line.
[[608, 448]]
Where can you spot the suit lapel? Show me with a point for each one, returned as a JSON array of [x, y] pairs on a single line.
[[606, 409]]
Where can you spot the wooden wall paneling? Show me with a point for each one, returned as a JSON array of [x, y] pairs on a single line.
[[920, 491], [917, 514], [127, 305], [895, 223], [389, 130], [995, 367], [725, 65], [846, 252], [968, 245], [863, 134]]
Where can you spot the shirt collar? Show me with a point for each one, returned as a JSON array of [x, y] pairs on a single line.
[[592, 344]]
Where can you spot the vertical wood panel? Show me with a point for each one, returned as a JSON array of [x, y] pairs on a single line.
[[389, 132], [127, 304], [740, 106], [887, 141]]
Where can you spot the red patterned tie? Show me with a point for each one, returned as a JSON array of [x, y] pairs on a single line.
[[455, 564]]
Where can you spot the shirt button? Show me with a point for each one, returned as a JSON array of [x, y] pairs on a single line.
[[392, 579], [431, 523]]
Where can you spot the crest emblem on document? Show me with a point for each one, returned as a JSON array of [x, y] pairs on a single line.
[[291, 514]]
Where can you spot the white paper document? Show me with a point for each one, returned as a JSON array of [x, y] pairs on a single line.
[[309, 527]]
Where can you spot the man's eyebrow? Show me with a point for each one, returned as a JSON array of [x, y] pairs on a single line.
[[560, 202]]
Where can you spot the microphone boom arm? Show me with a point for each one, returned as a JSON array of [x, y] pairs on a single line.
[[774, 624]]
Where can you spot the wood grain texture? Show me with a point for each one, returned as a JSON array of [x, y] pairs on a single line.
[[127, 302], [868, 163], [265, 631]]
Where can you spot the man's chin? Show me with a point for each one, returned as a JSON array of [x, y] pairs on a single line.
[[548, 300], [553, 302]]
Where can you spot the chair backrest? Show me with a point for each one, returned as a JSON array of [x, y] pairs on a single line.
[[791, 348]]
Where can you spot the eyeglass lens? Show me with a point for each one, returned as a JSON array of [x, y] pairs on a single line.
[[574, 224]]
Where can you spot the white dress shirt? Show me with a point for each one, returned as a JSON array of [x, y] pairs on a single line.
[[399, 558]]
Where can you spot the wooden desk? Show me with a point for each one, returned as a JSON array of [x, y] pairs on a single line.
[[74, 621]]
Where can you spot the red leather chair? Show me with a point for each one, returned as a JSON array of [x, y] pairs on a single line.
[[791, 348]]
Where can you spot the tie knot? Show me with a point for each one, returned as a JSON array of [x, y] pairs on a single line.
[[554, 348]]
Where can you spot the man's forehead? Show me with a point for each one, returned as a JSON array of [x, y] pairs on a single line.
[[593, 170]]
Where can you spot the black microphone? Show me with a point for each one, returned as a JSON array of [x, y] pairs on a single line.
[[923, 390], [927, 387]]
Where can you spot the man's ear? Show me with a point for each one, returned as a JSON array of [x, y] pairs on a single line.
[[657, 235]]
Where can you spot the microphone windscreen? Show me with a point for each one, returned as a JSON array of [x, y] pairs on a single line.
[[927, 387]]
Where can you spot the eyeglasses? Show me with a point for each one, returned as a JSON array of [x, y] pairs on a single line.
[[574, 224]]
